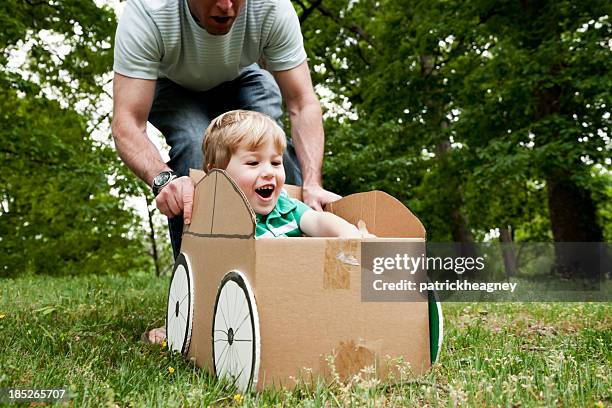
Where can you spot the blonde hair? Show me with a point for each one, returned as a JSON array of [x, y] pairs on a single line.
[[235, 129]]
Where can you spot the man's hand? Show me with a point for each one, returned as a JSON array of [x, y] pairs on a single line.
[[176, 197], [316, 196]]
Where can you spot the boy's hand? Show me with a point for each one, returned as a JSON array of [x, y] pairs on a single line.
[[316, 196], [176, 197], [363, 230]]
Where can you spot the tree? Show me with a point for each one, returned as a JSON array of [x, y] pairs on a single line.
[[58, 213], [477, 114], [540, 103]]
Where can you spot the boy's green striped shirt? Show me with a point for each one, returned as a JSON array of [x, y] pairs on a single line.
[[283, 220]]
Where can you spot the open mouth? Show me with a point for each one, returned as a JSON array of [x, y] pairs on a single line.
[[265, 191], [221, 19]]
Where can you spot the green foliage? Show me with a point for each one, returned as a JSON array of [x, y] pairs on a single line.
[[58, 215], [478, 105], [464, 110], [84, 33], [603, 195]]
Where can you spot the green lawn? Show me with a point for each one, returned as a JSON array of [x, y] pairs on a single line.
[[84, 333]]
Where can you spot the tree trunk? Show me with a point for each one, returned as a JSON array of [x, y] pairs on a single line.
[[154, 252], [459, 226], [460, 231], [457, 219], [573, 218], [573, 215]]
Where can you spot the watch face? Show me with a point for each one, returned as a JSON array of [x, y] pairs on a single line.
[[161, 178]]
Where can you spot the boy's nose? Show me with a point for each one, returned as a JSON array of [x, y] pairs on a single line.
[[266, 170]]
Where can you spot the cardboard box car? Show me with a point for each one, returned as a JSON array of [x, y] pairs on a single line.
[[269, 312]]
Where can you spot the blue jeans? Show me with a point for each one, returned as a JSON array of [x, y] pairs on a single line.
[[183, 115]]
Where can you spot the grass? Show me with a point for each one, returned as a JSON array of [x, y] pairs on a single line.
[[84, 333]]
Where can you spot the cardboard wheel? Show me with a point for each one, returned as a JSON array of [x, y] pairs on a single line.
[[436, 326], [235, 332], [179, 316]]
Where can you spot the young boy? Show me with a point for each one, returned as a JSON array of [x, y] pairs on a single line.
[[249, 146]]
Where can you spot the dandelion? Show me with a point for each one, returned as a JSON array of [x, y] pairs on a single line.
[[164, 344], [238, 398], [2, 316], [171, 370]]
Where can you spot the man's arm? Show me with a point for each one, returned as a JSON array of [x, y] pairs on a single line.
[[132, 100], [306, 131]]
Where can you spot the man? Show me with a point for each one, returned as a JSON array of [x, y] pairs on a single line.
[[180, 63]]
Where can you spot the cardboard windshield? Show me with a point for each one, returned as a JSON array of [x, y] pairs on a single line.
[[220, 208]]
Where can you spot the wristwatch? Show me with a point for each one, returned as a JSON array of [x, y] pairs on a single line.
[[161, 180]]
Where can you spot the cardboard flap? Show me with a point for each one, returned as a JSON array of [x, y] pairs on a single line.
[[219, 207], [384, 215]]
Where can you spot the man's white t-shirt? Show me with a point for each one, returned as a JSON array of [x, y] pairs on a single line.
[[161, 39]]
